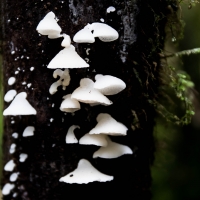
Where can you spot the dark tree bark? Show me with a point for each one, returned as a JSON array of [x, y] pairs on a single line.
[[134, 58]]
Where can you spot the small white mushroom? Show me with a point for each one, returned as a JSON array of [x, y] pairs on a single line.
[[23, 157], [110, 9], [104, 32], [108, 125], [109, 85], [69, 105], [87, 94], [70, 137], [85, 173], [15, 135], [112, 150], [28, 131], [14, 176], [7, 188], [9, 96], [49, 26], [11, 80], [98, 140], [67, 58], [12, 148], [20, 106], [67, 41], [9, 166], [84, 35]]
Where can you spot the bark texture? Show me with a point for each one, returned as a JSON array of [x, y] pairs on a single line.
[[133, 58]]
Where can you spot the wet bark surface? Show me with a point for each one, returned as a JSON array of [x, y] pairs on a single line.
[[133, 58]]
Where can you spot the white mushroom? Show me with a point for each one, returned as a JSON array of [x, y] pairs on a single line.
[[70, 137], [12, 148], [23, 157], [109, 85], [9, 166], [87, 94], [67, 41], [108, 125], [69, 105], [98, 140], [14, 176], [104, 32], [67, 58], [49, 26], [110, 9], [85, 173], [20, 106], [112, 150], [84, 35], [7, 188], [28, 131], [9, 96]]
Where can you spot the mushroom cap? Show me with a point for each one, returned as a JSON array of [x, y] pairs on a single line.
[[104, 32], [20, 106], [49, 26], [69, 105], [109, 85], [70, 137], [87, 94], [9, 96], [109, 126], [112, 150], [7, 188], [85, 173], [9, 166], [98, 140], [67, 58], [84, 36], [28, 131]]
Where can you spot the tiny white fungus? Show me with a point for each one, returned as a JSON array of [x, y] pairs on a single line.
[[51, 120], [9, 96], [11, 80], [7, 188], [66, 41], [24, 83], [84, 174], [14, 176], [12, 148], [23, 157], [28, 131], [102, 20], [32, 68], [9, 166], [29, 85], [110, 9], [15, 135], [70, 137]]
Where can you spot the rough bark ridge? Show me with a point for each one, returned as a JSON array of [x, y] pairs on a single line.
[[133, 58]]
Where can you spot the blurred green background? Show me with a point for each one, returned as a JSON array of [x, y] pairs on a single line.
[[176, 171]]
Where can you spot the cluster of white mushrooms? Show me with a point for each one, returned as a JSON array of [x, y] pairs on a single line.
[[90, 92]]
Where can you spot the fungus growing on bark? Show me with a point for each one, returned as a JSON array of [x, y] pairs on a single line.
[[7, 188], [9, 96], [67, 58], [23, 157], [108, 125], [69, 105], [20, 106], [12, 148], [49, 26], [85, 173], [87, 94], [9, 166], [112, 150], [28, 131], [70, 137], [67, 41], [14, 176], [98, 140], [109, 85]]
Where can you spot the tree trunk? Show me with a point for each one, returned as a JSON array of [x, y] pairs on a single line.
[[133, 58]]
